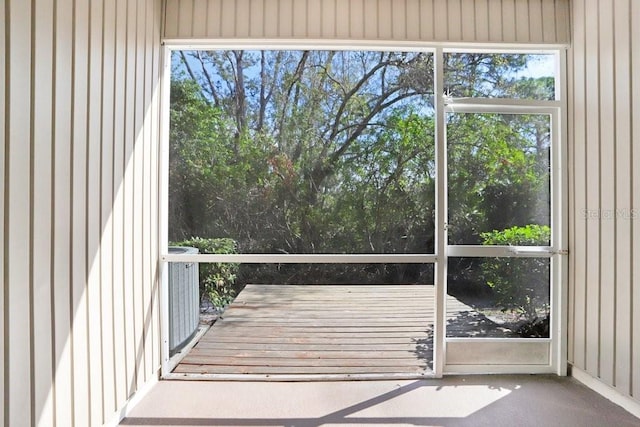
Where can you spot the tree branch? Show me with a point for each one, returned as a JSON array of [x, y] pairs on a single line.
[[208, 79]]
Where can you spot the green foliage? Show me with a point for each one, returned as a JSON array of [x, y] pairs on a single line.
[[520, 284], [217, 280], [498, 173], [333, 151], [529, 235]]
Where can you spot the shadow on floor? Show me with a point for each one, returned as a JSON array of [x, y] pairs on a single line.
[[516, 400]]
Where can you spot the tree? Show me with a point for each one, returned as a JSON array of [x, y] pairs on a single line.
[[333, 151], [498, 173], [313, 115]]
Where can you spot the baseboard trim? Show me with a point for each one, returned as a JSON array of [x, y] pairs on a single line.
[[122, 412], [608, 392]]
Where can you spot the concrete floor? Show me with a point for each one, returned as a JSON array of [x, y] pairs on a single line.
[[510, 400]]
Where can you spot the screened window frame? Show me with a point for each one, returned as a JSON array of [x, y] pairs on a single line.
[[558, 252]]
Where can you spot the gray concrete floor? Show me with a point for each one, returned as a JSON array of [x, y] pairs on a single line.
[[506, 400]]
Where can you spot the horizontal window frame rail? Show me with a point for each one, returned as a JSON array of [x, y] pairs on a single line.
[[246, 43], [499, 251], [500, 105], [302, 258], [489, 340]]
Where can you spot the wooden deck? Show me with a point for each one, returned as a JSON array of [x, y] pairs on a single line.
[[319, 330]]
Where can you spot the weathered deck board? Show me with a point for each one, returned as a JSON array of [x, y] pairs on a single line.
[[291, 370], [319, 330]]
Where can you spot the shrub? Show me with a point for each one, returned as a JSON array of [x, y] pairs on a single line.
[[217, 280], [520, 284]]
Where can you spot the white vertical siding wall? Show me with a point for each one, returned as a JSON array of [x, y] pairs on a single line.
[[447, 21], [3, 103], [79, 82], [604, 115]]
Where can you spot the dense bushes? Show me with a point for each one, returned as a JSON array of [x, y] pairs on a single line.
[[217, 280], [519, 284]]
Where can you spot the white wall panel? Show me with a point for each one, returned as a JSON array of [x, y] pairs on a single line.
[[549, 29], [623, 195], [61, 209], [255, 18], [3, 50], [440, 25], [17, 234], [592, 93], [127, 192], [78, 301], [496, 16], [413, 14], [447, 21], [367, 19], [524, 21], [634, 21], [228, 18], [42, 221], [482, 23], [79, 89], [607, 140], [342, 22], [171, 17], [536, 21], [452, 15], [605, 238], [119, 182], [139, 176], [149, 340], [468, 21], [94, 229], [200, 20], [107, 272], [185, 18]]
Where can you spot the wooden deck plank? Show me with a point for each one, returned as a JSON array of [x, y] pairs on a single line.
[[324, 353], [316, 332], [397, 337], [331, 316], [307, 340], [256, 329], [334, 308], [327, 322], [314, 298], [319, 329], [286, 312], [277, 346], [275, 361], [294, 370]]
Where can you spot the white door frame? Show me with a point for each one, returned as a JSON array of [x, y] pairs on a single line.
[[527, 355]]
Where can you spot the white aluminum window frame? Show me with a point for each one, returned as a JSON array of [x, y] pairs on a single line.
[[557, 251]]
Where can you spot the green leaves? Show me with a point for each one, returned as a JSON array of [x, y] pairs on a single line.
[[529, 235], [520, 284], [217, 280]]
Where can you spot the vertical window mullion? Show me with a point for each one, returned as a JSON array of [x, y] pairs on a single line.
[[441, 215]]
